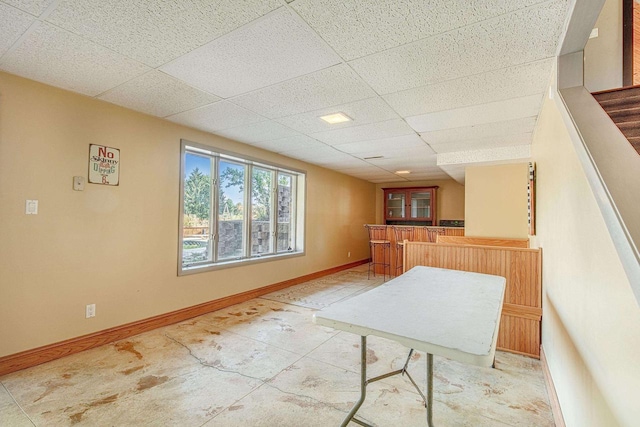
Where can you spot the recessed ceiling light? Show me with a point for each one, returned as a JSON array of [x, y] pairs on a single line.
[[335, 118], [403, 172]]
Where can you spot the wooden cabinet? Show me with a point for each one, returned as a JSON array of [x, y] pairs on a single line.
[[410, 206]]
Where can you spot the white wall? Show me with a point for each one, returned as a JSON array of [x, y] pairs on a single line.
[[591, 321], [603, 54]]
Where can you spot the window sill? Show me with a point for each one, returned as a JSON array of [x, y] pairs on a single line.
[[201, 268]]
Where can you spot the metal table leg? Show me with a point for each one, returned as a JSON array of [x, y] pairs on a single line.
[[363, 383], [428, 399], [429, 402]]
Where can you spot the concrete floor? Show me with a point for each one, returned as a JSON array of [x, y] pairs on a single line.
[[265, 363]]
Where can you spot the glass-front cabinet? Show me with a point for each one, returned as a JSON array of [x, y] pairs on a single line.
[[410, 206]]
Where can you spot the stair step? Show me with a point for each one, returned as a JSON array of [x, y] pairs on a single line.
[[617, 93], [635, 144], [630, 129], [628, 115], [620, 103]]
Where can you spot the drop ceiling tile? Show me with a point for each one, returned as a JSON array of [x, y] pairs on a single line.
[[312, 155], [361, 168], [325, 88], [290, 143], [359, 28], [256, 132], [407, 160], [484, 143], [272, 49], [487, 130], [217, 116], [371, 146], [158, 94], [387, 129], [361, 112], [524, 36], [59, 58], [500, 154], [13, 23], [494, 85], [435, 174], [492, 112], [155, 32], [391, 178], [34, 7]]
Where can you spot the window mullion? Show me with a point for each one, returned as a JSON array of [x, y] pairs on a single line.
[[248, 210], [213, 218], [273, 225]]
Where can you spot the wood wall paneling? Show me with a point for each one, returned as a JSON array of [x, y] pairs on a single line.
[[522, 312]]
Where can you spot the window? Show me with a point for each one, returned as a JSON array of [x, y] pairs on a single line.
[[235, 209]]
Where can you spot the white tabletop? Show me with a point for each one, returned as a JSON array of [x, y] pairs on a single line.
[[449, 313]]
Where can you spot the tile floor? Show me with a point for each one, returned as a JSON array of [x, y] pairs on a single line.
[[265, 363]]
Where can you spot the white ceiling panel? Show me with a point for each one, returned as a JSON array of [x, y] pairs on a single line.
[[34, 7], [488, 130], [436, 173], [495, 85], [478, 114], [501, 42], [344, 161], [484, 143], [512, 153], [469, 76], [356, 28], [290, 143], [379, 130], [259, 54], [316, 154], [158, 94], [325, 88], [13, 23], [59, 58], [256, 132], [217, 116], [155, 32], [361, 112], [409, 160], [378, 145]]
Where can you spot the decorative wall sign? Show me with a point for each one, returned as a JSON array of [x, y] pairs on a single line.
[[531, 199], [104, 165]]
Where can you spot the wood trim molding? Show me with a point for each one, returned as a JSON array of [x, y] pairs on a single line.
[[484, 241], [551, 391], [47, 353]]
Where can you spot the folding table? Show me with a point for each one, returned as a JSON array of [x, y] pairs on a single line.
[[449, 313]]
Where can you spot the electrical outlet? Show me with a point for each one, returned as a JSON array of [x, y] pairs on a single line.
[[90, 310], [348, 254]]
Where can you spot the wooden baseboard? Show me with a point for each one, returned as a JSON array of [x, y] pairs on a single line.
[[36, 356], [551, 390]]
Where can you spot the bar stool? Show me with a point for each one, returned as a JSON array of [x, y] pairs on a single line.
[[432, 234], [379, 246], [402, 233]]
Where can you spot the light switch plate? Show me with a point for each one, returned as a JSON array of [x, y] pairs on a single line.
[[32, 207], [78, 183]]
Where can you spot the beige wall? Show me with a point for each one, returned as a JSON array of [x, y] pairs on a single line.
[[603, 54], [117, 246], [591, 321], [450, 196], [496, 201]]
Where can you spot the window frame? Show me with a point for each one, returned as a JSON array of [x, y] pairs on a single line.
[[297, 215]]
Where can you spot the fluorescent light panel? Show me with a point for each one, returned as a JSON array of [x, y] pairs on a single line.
[[336, 118]]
